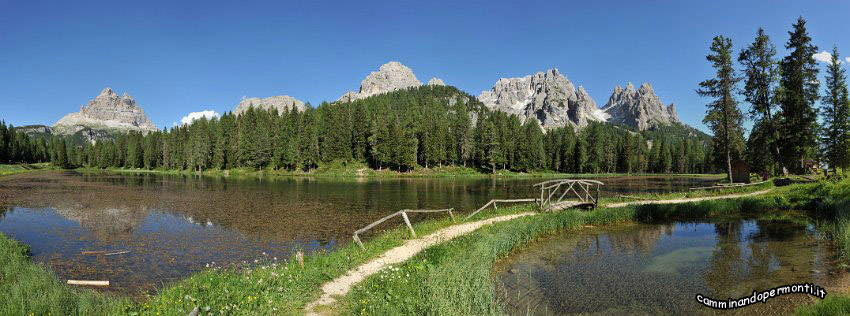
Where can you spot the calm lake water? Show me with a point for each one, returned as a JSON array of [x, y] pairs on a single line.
[[657, 269], [174, 226]]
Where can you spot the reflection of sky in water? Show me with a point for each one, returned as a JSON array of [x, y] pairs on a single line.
[[163, 247], [658, 268]]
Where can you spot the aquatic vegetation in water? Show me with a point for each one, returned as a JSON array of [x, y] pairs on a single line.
[[678, 260]]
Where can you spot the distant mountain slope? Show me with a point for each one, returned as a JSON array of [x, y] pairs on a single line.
[[391, 76]]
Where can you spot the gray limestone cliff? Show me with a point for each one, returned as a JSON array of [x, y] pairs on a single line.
[[281, 103], [546, 96], [390, 77], [639, 108], [107, 111]]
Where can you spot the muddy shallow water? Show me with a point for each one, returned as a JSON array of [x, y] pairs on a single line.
[[176, 225], [658, 269]]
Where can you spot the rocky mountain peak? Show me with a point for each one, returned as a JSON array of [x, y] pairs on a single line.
[[547, 96], [436, 82], [106, 111], [390, 77], [640, 108], [281, 103], [106, 92]]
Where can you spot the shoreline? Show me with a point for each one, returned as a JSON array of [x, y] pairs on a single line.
[[388, 174], [286, 287]]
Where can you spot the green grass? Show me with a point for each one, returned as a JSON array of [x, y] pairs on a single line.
[[6, 170], [338, 169], [30, 289], [450, 278], [454, 277], [270, 287], [685, 195], [832, 305]]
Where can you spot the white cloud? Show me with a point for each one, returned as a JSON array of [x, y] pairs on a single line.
[[825, 57], [209, 114], [847, 59]]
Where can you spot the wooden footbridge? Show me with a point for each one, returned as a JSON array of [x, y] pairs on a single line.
[[559, 194], [554, 195]]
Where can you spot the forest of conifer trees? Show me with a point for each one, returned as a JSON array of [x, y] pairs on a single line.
[[783, 94], [422, 127]]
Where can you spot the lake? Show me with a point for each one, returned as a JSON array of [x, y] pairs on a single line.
[[658, 269], [176, 225]]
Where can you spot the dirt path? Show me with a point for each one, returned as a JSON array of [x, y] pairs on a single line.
[[676, 201], [341, 285]]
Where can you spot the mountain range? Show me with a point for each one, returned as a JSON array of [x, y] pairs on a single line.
[[548, 96]]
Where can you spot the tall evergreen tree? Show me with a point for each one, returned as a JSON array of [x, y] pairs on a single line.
[[723, 116], [760, 85], [834, 109], [799, 92]]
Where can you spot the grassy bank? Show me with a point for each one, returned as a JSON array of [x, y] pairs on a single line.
[[450, 278], [30, 289], [354, 170], [272, 286], [454, 278], [6, 170]]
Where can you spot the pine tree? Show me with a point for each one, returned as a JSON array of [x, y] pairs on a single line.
[[834, 109], [723, 116], [580, 155], [463, 133], [380, 142], [760, 85], [309, 140], [568, 150], [799, 92]]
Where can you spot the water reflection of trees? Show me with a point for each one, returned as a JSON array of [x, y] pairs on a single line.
[[640, 240], [751, 254], [287, 208]]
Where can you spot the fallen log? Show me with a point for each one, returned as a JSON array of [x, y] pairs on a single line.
[[105, 252], [85, 282]]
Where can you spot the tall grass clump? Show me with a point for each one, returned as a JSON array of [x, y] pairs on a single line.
[[278, 287], [454, 278], [30, 289]]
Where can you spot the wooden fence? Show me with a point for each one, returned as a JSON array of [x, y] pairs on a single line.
[[403, 214], [493, 202]]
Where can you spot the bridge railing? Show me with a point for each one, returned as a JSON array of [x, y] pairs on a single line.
[[403, 214], [493, 202], [554, 192]]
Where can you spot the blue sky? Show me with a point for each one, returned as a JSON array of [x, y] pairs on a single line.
[[177, 57]]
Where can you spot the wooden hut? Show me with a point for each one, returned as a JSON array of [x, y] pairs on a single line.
[[740, 172]]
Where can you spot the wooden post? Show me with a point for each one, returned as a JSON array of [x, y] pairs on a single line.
[[299, 256], [357, 239], [596, 203], [541, 196], [407, 221]]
